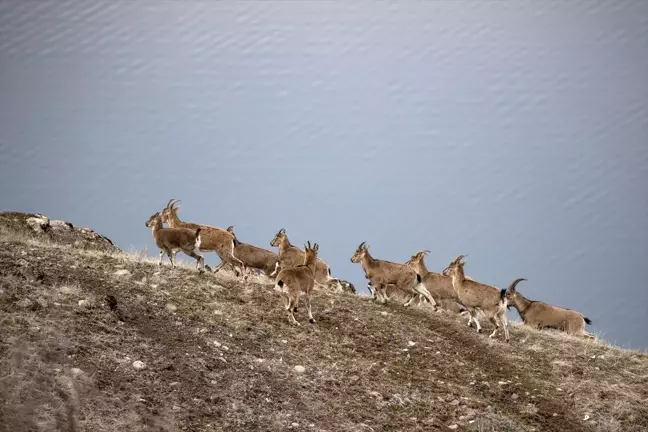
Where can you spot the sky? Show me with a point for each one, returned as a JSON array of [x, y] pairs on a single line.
[[515, 132]]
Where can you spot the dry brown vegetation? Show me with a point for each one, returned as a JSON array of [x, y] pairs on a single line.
[[220, 355]]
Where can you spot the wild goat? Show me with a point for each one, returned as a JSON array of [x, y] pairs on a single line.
[[291, 256], [213, 238], [476, 297], [438, 285], [381, 274], [295, 280], [541, 315], [171, 240], [253, 256]]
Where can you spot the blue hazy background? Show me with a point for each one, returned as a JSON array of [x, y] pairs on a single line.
[[516, 132]]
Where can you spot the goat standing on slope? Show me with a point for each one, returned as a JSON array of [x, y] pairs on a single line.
[[254, 256], [476, 297], [438, 285], [382, 274], [291, 256], [541, 315], [170, 240], [295, 280], [213, 238]]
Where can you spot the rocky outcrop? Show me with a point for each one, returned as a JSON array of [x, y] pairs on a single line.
[[39, 226]]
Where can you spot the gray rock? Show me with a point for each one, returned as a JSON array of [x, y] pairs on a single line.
[[38, 223], [139, 365], [24, 303]]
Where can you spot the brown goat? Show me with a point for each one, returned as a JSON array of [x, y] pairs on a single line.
[[438, 285], [291, 256], [381, 274], [170, 240], [213, 238], [254, 257], [476, 297], [296, 280], [543, 316]]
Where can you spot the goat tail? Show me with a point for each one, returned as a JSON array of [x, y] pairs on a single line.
[[587, 320], [198, 239]]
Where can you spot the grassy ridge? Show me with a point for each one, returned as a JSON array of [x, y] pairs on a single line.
[[219, 354]]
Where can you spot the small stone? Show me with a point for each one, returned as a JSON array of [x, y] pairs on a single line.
[[514, 396], [502, 382], [42, 302], [554, 415], [218, 312], [122, 272], [174, 384], [587, 417], [284, 341], [83, 303], [453, 427], [38, 224], [138, 365], [383, 313], [218, 344], [171, 307], [176, 408], [24, 303], [411, 343], [375, 394], [454, 402], [76, 372], [295, 425], [300, 369]]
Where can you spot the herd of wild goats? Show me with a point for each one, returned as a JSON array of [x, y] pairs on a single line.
[[296, 272]]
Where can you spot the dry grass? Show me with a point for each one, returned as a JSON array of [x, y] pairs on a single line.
[[220, 355]]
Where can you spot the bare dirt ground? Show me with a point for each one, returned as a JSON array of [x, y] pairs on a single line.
[[219, 355]]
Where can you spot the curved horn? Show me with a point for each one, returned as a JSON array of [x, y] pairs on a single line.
[[282, 231], [361, 245], [169, 203], [458, 259], [308, 245], [514, 284], [230, 228]]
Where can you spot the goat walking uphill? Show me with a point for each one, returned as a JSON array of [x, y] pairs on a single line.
[[297, 280], [291, 256], [171, 240], [254, 256], [382, 274], [213, 238], [543, 316], [438, 285], [476, 297]]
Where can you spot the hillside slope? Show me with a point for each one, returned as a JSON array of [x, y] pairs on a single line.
[[220, 355]]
